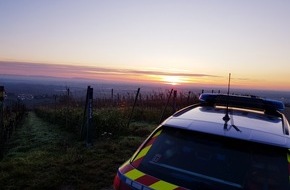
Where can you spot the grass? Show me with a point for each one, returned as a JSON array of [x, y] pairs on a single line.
[[42, 156]]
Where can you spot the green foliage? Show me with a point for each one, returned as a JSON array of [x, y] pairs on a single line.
[[150, 115], [139, 129], [67, 118], [110, 121]]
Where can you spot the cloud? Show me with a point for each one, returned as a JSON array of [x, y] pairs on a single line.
[[72, 71]]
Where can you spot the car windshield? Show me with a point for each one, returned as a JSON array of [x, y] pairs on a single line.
[[201, 161]]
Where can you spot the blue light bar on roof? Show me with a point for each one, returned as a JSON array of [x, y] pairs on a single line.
[[252, 102]]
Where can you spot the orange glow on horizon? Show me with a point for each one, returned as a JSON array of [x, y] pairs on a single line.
[[103, 74], [173, 80]]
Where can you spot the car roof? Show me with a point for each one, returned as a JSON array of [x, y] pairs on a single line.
[[249, 124]]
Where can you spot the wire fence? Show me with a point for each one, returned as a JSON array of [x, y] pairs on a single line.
[[114, 110]]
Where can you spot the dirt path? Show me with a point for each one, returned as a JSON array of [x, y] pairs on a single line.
[[34, 151], [36, 136]]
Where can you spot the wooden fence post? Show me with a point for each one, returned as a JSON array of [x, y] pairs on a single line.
[[112, 97], [188, 97], [174, 100], [87, 131], [89, 138], [67, 108], [1, 120], [131, 115], [163, 113]]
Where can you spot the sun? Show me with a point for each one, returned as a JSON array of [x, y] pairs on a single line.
[[173, 80]]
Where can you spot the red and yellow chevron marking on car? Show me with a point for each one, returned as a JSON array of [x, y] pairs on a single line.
[[138, 159], [135, 179], [139, 180]]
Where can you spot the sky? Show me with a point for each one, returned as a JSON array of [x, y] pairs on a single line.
[[192, 42]]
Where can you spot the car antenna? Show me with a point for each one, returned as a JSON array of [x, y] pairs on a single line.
[[226, 118]]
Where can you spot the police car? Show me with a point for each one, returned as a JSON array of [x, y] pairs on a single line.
[[225, 142]]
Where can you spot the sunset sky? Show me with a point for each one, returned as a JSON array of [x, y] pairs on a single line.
[[193, 42]]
